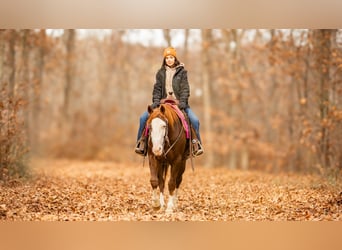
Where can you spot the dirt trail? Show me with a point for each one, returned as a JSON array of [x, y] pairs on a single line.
[[105, 191]]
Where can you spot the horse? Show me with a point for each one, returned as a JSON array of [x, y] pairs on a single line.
[[167, 146]]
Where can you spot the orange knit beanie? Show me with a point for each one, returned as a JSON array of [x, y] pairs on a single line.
[[170, 51]]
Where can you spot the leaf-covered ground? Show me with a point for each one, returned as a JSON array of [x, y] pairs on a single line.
[[104, 191]]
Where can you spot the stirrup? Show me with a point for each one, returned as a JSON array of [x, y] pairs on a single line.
[[198, 152], [140, 148], [197, 148]]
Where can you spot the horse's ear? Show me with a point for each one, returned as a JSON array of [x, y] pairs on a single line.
[[162, 109], [149, 109]]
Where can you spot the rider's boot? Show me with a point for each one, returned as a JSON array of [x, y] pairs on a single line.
[[141, 147], [196, 146]]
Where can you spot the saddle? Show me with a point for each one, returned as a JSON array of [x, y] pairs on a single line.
[[189, 130], [173, 103], [170, 100]]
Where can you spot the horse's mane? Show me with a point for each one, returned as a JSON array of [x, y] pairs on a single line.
[[169, 113]]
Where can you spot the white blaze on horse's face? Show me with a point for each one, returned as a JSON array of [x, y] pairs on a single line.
[[158, 130]]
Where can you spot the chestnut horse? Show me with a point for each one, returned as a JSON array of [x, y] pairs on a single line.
[[167, 146]]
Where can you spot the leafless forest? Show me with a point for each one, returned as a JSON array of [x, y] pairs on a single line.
[[269, 104], [267, 99]]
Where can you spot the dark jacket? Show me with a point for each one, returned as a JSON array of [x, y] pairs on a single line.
[[180, 87]]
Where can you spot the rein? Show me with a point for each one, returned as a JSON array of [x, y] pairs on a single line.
[[174, 143], [166, 137]]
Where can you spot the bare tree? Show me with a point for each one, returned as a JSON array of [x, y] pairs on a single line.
[[322, 42], [39, 64], [275, 103], [69, 39], [186, 44], [12, 140], [25, 79], [167, 36], [207, 94], [10, 61], [2, 52]]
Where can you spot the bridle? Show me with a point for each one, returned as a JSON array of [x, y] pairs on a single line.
[[166, 136]]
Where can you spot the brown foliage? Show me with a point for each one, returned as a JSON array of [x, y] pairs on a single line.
[[104, 191], [13, 142]]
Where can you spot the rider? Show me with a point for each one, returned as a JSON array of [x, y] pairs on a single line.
[[171, 78]]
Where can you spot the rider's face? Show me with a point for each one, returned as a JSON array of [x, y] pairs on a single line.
[[170, 60]]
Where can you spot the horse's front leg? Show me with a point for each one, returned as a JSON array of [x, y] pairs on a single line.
[[154, 182], [161, 177], [172, 201], [157, 183], [157, 199]]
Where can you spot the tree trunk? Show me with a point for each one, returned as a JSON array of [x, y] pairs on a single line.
[[206, 71], [2, 55], [11, 63], [2, 104], [8, 71], [167, 36], [9, 80], [25, 80], [69, 36], [322, 43], [37, 85], [186, 45]]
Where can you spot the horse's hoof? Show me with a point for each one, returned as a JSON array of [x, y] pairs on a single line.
[[170, 209], [156, 208], [156, 205]]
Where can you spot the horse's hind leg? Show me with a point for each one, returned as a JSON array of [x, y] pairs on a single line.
[[179, 179], [180, 173], [174, 183]]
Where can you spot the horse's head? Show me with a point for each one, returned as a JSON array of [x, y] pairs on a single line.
[[158, 125]]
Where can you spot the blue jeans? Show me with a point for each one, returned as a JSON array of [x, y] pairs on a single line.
[[142, 122], [192, 117]]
